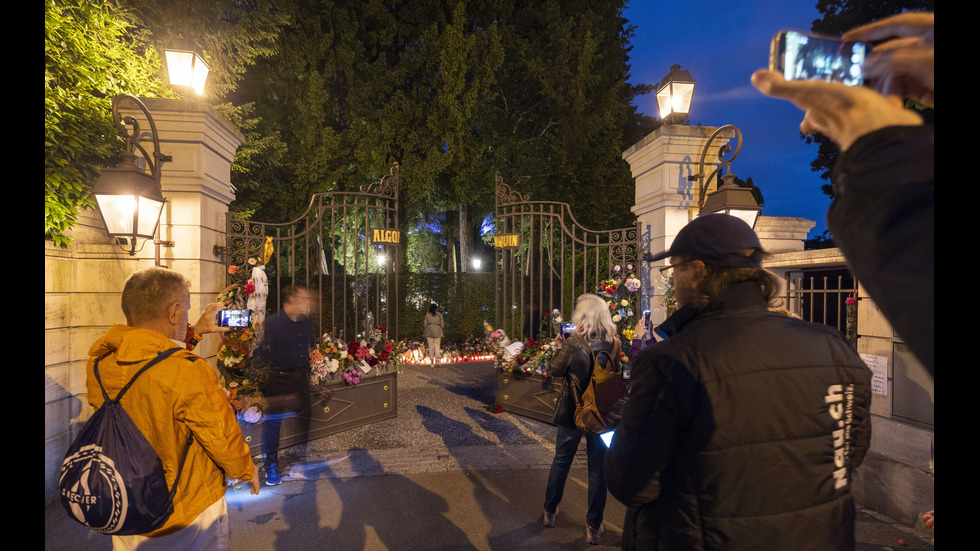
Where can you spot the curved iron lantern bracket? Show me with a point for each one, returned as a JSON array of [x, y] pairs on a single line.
[[133, 139], [724, 163]]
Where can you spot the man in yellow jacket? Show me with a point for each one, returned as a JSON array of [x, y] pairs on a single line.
[[178, 397]]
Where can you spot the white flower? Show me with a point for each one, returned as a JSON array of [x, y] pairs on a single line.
[[333, 366], [252, 415], [616, 318]]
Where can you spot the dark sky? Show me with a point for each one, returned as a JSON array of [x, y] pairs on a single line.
[[721, 44]]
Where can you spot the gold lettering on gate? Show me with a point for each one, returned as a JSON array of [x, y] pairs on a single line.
[[507, 241], [385, 237]]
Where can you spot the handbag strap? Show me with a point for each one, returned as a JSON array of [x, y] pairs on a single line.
[[595, 357], [159, 357]]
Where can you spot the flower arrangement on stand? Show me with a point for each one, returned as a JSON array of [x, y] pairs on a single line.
[[241, 380], [233, 353], [533, 359], [620, 294]]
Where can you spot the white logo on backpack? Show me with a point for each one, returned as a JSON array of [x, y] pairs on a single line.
[[94, 463]]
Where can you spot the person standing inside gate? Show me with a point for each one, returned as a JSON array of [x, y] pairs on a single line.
[[286, 350], [744, 427], [433, 332], [178, 397], [594, 325]]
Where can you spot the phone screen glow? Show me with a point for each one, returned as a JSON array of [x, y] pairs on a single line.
[[814, 58]]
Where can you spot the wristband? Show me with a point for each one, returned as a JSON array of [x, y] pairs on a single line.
[[192, 338]]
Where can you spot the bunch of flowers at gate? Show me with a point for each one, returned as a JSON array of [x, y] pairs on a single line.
[[235, 348], [619, 290], [335, 360]]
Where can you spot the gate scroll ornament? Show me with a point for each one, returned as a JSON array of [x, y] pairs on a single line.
[[546, 259], [343, 248]]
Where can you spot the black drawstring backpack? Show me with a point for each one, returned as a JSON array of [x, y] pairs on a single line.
[[112, 480]]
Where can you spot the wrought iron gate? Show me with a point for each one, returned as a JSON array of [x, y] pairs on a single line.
[[545, 259], [343, 248]]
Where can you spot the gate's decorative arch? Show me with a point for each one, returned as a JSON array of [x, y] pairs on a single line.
[[545, 259], [344, 247]]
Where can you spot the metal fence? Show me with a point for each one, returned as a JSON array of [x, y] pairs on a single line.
[[545, 259], [828, 297], [343, 248]]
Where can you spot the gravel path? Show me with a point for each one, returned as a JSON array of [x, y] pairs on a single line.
[[442, 423]]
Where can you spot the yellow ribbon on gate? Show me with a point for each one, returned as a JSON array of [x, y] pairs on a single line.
[[268, 250]]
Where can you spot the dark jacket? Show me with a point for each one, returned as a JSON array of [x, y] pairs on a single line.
[[574, 364], [884, 221], [732, 429], [286, 344]]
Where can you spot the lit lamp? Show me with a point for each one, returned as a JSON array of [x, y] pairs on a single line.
[[729, 198], [733, 199], [186, 67], [675, 94], [128, 199]]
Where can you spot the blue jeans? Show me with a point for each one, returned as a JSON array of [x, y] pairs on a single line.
[[288, 395], [566, 445]]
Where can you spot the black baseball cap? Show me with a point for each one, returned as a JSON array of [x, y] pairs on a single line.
[[718, 239]]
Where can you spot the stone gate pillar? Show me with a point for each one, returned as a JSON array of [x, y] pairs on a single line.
[[665, 199]]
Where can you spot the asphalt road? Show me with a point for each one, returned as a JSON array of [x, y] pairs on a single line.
[[445, 474]]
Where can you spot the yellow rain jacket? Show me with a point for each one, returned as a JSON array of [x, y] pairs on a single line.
[[176, 397]]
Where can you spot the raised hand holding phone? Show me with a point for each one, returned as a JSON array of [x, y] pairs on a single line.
[[805, 56]]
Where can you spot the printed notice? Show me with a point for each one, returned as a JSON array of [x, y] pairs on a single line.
[[879, 372]]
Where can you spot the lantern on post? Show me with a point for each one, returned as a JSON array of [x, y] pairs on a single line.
[[729, 198], [675, 94], [128, 199], [185, 67]]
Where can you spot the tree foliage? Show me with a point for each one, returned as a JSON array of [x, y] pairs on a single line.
[[95, 50], [92, 52], [453, 90]]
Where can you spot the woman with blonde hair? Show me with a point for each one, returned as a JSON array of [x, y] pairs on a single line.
[[595, 329]]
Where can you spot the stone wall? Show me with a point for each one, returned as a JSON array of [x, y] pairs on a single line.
[[83, 282]]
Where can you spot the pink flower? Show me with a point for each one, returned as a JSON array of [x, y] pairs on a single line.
[[232, 269]]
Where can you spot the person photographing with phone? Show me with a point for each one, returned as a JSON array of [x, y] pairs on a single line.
[[176, 398], [591, 327], [883, 213], [642, 336]]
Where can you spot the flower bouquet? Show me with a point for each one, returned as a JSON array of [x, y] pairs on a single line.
[[620, 294], [243, 387], [334, 360], [233, 353], [851, 308], [533, 359]]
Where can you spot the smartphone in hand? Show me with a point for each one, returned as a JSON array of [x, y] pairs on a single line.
[[806, 56]]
